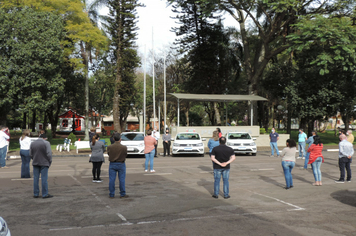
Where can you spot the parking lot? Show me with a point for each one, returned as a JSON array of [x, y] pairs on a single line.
[[176, 200]]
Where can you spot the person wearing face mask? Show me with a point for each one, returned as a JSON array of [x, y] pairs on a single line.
[[302, 137], [274, 137], [166, 142]]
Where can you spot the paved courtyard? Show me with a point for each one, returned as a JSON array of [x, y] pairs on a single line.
[[176, 200]]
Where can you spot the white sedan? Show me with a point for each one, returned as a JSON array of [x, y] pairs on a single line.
[[134, 142], [188, 143], [241, 142]]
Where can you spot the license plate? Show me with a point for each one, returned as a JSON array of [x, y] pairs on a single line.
[[130, 149], [242, 148], [188, 148]]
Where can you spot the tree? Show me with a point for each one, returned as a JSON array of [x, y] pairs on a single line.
[[122, 28]]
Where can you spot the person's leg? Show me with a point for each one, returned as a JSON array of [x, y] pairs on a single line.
[[169, 147], [306, 160], [147, 156], [318, 172], [3, 156], [27, 164], [276, 147], [98, 169], [23, 163], [225, 175], [122, 176], [165, 148], [303, 146], [94, 171], [152, 159], [36, 177], [155, 153], [348, 170], [300, 149], [314, 168], [112, 177], [286, 171], [44, 179], [217, 177], [272, 151], [342, 169], [291, 166]]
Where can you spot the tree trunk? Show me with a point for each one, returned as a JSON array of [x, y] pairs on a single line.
[[24, 120], [217, 114], [33, 124], [310, 127], [289, 118]]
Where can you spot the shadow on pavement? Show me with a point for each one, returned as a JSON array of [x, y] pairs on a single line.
[[345, 196]]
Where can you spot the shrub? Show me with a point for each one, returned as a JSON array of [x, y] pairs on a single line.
[[262, 130], [72, 137]]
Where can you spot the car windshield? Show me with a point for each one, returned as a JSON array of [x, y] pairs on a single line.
[[239, 136], [188, 136], [132, 137]]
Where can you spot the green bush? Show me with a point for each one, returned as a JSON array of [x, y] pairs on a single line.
[[72, 137], [262, 130], [269, 130]]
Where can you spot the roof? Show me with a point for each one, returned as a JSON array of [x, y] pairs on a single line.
[[69, 114], [217, 97]]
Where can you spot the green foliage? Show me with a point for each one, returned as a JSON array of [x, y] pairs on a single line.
[[72, 137], [262, 130]]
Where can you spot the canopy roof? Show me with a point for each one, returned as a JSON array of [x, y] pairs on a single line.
[[217, 97]]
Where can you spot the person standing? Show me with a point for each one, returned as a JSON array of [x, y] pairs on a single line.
[[97, 157], [3, 146], [288, 162], [166, 142], [315, 159], [219, 132], [302, 137], [346, 150], [117, 157], [310, 141], [41, 155], [213, 142], [150, 143], [92, 133], [222, 156], [155, 134], [350, 137], [25, 143], [274, 137], [7, 132]]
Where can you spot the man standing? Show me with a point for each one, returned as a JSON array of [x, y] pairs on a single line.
[[41, 155], [3, 146], [346, 150], [222, 156], [350, 137], [117, 157], [310, 141], [155, 134], [274, 137], [302, 137]]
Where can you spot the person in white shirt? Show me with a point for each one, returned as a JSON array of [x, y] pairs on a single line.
[[25, 143], [3, 146], [156, 135]]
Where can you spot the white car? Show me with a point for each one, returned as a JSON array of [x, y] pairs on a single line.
[[188, 143], [134, 142], [4, 230], [241, 142]]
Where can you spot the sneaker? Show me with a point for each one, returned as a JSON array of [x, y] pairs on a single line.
[[349, 181], [299, 157], [125, 196], [48, 196], [339, 181], [215, 196], [146, 170], [5, 167], [227, 197], [271, 156], [303, 158], [99, 180], [94, 181], [152, 171]]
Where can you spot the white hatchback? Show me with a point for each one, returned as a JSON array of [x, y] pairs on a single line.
[[134, 142], [188, 143], [241, 142]]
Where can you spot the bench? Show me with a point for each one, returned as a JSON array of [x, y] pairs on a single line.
[[82, 145], [65, 146]]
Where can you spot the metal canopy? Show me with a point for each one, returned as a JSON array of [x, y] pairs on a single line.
[[217, 97]]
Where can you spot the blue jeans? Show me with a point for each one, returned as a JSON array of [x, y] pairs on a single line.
[[287, 169], [301, 147], [217, 176], [149, 158], [120, 169], [43, 170], [306, 160], [274, 146], [3, 151], [25, 167], [316, 168]]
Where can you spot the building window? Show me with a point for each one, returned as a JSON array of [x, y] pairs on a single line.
[[65, 123]]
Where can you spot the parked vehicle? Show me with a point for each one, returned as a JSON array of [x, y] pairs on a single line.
[[4, 229], [188, 143], [241, 142], [134, 142]]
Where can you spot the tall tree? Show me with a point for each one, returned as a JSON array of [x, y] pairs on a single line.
[[122, 28]]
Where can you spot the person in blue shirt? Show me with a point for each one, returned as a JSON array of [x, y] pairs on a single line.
[[274, 137], [213, 142], [302, 137], [310, 141]]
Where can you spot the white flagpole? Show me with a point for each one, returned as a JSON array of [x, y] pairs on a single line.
[[153, 76], [144, 91], [165, 100]]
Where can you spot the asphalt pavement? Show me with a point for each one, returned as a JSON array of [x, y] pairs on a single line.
[[176, 199]]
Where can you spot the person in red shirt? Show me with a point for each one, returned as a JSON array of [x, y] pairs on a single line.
[[219, 131], [315, 159]]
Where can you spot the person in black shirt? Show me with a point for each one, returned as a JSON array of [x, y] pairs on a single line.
[[222, 156]]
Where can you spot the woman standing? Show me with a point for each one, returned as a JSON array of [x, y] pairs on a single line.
[[166, 142], [288, 161], [219, 132], [315, 159], [213, 142], [25, 143], [150, 143], [97, 157]]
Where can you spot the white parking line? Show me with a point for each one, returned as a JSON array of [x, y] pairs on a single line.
[[262, 169]]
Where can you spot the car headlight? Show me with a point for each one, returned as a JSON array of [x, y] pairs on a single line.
[[4, 230], [141, 145], [253, 144], [200, 144], [175, 144], [230, 144]]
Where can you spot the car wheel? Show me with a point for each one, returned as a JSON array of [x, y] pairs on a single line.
[[253, 154]]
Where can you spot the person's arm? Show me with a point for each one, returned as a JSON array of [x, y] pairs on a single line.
[[277, 137], [6, 136], [283, 152], [214, 160], [311, 148], [49, 152]]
